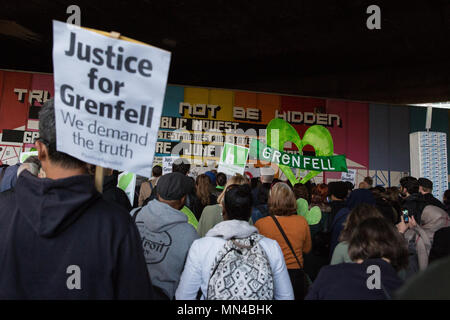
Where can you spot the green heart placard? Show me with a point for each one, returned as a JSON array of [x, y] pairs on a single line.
[[279, 132]]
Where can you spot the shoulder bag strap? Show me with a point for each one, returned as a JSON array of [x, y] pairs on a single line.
[[136, 213], [286, 239]]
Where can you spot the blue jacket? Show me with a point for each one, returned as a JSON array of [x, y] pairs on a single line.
[[9, 178]]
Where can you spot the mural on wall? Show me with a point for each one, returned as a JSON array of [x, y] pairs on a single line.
[[196, 122]]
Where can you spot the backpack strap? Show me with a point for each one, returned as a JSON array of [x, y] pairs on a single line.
[[136, 213], [287, 240]]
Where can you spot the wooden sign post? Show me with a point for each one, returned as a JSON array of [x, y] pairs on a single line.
[[100, 171]]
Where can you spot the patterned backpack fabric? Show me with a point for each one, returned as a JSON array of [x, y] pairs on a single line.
[[241, 271]]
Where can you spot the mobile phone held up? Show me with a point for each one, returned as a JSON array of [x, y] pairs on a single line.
[[405, 216]]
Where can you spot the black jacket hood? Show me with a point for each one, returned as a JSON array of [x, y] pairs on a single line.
[[51, 206]]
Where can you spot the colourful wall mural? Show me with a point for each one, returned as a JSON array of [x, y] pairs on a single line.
[[197, 121]]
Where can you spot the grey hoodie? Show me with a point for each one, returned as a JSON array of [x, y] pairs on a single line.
[[166, 238]]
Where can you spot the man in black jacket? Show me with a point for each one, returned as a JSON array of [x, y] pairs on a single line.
[[337, 193], [413, 201], [59, 239], [425, 188]]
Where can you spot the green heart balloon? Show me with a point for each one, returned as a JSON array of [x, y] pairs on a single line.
[[125, 181], [279, 132]]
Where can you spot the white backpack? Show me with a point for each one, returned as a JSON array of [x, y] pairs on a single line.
[[241, 271]]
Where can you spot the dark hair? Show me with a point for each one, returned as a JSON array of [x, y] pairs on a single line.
[[238, 202], [262, 193], [338, 189], [355, 217], [255, 183], [376, 238], [404, 181], [447, 197], [33, 159], [47, 135], [377, 191], [426, 184], [181, 165], [349, 185], [412, 186], [301, 191], [388, 210], [157, 171], [221, 179], [368, 180]]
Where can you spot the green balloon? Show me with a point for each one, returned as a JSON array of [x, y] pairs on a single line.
[[279, 132], [125, 180]]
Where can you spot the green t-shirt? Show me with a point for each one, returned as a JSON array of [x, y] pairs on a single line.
[[211, 216]]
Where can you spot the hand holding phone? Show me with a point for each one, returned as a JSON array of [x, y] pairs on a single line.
[[405, 216]]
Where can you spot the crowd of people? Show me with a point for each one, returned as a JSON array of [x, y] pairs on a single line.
[[214, 237]]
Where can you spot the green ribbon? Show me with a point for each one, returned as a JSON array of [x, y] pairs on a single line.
[[261, 151]]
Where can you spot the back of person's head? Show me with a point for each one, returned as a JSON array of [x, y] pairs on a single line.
[[369, 181], [378, 191], [392, 194], [300, 191], [35, 160], [405, 180], [255, 183], [238, 202], [212, 177], [157, 171], [425, 184], [360, 213], [31, 167], [349, 185], [172, 189], [262, 193], [236, 179], [202, 188], [363, 185], [338, 189], [221, 179], [282, 201], [359, 196], [375, 238], [387, 210], [446, 197], [412, 186], [47, 137], [181, 165], [267, 174], [319, 194]]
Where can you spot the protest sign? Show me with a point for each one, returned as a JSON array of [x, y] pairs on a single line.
[[109, 95], [167, 163], [349, 176], [25, 155], [127, 182], [233, 159]]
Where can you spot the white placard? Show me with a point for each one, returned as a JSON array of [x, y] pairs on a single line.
[[233, 159], [349, 176], [167, 163], [109, 95]]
